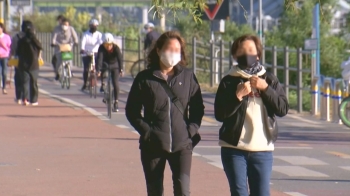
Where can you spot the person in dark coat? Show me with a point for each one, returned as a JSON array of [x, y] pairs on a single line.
[[17, 77], [247, 101], [28, 54], [165, 131]]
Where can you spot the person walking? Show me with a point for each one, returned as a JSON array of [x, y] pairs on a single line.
[[28, 52], [17, 76], [5, 48], [91, 41], [110, 54], [172, 103], [247, 101]]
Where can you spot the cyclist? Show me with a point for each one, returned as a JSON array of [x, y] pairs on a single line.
[[109, 53], [65, 35], [59, 21], [91, 41], [151, 37]]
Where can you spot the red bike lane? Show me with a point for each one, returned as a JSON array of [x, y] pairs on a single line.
[[54, 149]]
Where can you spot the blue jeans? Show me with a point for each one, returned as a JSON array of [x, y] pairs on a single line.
[[3, 71], [239, 165]]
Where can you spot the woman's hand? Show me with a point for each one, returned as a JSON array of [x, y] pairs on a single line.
[[243, 89], [258, 83]]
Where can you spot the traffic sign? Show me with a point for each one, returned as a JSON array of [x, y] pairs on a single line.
[[216, 11], [310, 44]]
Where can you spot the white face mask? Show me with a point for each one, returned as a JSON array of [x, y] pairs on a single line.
[[64, 27], [170, 59]]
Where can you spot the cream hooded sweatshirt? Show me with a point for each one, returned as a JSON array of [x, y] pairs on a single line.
[[253, 136]]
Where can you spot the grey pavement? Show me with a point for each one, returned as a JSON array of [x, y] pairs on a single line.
[[312, 157]]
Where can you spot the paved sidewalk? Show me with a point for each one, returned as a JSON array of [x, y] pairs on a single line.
[[53, 149]]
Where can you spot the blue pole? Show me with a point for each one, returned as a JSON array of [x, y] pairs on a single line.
[[318, 69], [316, 24]]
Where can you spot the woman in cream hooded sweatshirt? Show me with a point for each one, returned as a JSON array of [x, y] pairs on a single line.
[[247, 101]]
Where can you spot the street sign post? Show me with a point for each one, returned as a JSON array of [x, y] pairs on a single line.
[[216, 11], [311, 44]]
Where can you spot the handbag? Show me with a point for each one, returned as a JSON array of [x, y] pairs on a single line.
[[197, 137], [13, 61]]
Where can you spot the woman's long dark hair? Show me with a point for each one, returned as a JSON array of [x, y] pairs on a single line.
[[153, 57], [3, 27]]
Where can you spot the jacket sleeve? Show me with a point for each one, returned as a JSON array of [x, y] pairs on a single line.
[[14, 45], [196, 107], [147, 41], [276, 98], [54, 36], [83, 41], [36, 43], [120, 58], [19, 47], [75, 35], [9, 42], [134, 106], [226, 101], [99, 59]]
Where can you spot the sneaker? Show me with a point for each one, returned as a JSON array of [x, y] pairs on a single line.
[[115, 106], [104, 101], [57, 77], [19, 102], [35, 104], [83, 88], [26, 103], [4, 91]]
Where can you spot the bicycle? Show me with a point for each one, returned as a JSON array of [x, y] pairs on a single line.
[[92, 75], [65, 68], [344, 107], [108, 93]]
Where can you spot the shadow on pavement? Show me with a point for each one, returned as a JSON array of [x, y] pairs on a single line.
[[98, 138], [311, 180], [50, 116]]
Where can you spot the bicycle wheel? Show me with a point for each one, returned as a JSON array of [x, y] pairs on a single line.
[[137, 67], [62, 76], [63, 83], [68, 83], [67, 78], [108, 101], [95, 86], [344, 107], [91, 84]]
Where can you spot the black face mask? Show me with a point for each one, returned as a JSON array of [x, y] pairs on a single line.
[[93, 29], [247, 61]]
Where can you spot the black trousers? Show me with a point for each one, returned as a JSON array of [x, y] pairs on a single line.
[[86, 63], [18, 85], [115, 81], [154, 164], [30, 84]]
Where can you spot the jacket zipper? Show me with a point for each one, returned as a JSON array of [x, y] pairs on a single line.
[[169, 115], [171, 131]]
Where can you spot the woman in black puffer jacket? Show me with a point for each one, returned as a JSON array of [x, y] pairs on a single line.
[[165, 129]]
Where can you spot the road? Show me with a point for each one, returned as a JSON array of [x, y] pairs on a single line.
[[312, 157]]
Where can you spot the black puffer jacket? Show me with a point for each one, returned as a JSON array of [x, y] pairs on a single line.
[[163, 126], [231, 111]]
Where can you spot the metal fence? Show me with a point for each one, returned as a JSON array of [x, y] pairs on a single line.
[[212, 60]]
